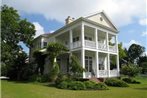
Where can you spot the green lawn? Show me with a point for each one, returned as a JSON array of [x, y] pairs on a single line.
[[32, 90]]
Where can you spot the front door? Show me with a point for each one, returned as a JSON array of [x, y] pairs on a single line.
[[88, 63]]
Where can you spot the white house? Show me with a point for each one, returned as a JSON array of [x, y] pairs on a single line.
[[93, 39]]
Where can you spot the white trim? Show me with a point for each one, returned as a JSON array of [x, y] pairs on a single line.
[[83, 61]]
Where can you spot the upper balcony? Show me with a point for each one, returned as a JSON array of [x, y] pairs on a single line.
[[88, 37]]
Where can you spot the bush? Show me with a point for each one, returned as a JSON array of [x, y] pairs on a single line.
[[61, 77], [116, 82], [63, 85], [130, 80], [130, 70], [77, 85], [89, 84], [100, 86], [54, 72]]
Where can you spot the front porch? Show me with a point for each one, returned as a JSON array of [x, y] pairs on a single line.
[[98, 64]]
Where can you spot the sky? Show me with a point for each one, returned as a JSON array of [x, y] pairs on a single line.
[[129, 16]]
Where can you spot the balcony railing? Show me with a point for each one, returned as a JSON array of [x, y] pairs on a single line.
[[112, 48], [102, 46], [76, 44], [90, 44]]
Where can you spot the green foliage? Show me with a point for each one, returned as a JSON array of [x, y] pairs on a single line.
[[63, 85], [122, 52], [76, 69], [77, 85], [116, 82], [89, 84], [61, 77], [134, 52], [54, 72], [54, 49], [13, 31], [20, 69], [100, 86], [40, 60], [130, 80], [95, 86], [130, 70]]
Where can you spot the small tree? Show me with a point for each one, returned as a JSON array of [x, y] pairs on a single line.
[[53, 50], [40, 60], [75, 67], [130, 70]]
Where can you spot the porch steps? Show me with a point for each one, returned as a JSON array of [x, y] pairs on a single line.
[[96, 79]]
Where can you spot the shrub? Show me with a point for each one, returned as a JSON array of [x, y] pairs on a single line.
[[63, 85], [89, 84], [61, 77], [54, 72], [77, 85], [130, 80], [130, 70], [100, 86], [116, 82]]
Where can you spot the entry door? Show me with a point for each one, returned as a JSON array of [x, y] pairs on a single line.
[[88, 63]]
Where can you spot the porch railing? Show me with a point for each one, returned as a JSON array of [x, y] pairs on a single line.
[[112, 48], [114, 73], [90, 44], [102, 46], [76, 44]]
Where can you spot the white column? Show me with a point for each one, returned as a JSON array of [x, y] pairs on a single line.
[[96, 38], [82, 35], [83, 60], [71, 39], [108, 62], [97, 64], [107, 40]]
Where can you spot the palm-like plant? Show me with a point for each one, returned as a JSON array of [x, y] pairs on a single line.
[[53, 50]]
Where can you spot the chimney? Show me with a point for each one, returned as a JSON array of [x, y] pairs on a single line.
[[69, 20]]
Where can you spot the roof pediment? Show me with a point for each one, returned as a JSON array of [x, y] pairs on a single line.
[[102, 19]]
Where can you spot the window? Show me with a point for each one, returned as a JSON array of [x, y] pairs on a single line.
[[88, 63], [75, 39], [44, 44], [88, 38]]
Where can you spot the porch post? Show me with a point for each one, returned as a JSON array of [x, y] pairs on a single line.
[[108, 62], [97, 64], [83, 60], [96, 38], [82, 35], [71, 39], [107, 40]]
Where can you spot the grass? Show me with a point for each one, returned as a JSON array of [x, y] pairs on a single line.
[[34, 90]]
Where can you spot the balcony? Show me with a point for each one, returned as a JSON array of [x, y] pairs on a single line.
[[112, 48], [76, 44], [102, 46], [90, 44]]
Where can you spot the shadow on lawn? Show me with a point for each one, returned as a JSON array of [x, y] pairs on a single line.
[[144, 88]]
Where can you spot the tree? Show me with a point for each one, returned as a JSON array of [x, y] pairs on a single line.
[[130, 70], [20, 69], [134, 52], [13, 30], [75, 67], [142, 62], [40, 60], [122, 54], [53, 50]]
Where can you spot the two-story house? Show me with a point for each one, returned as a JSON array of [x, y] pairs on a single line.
[[93, 39]]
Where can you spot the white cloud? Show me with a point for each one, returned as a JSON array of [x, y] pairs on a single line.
[[122, 12], [144, 33], [39, 29], [143, 21], [127, 45]]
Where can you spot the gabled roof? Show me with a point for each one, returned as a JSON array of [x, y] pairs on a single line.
[[109, 22]]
